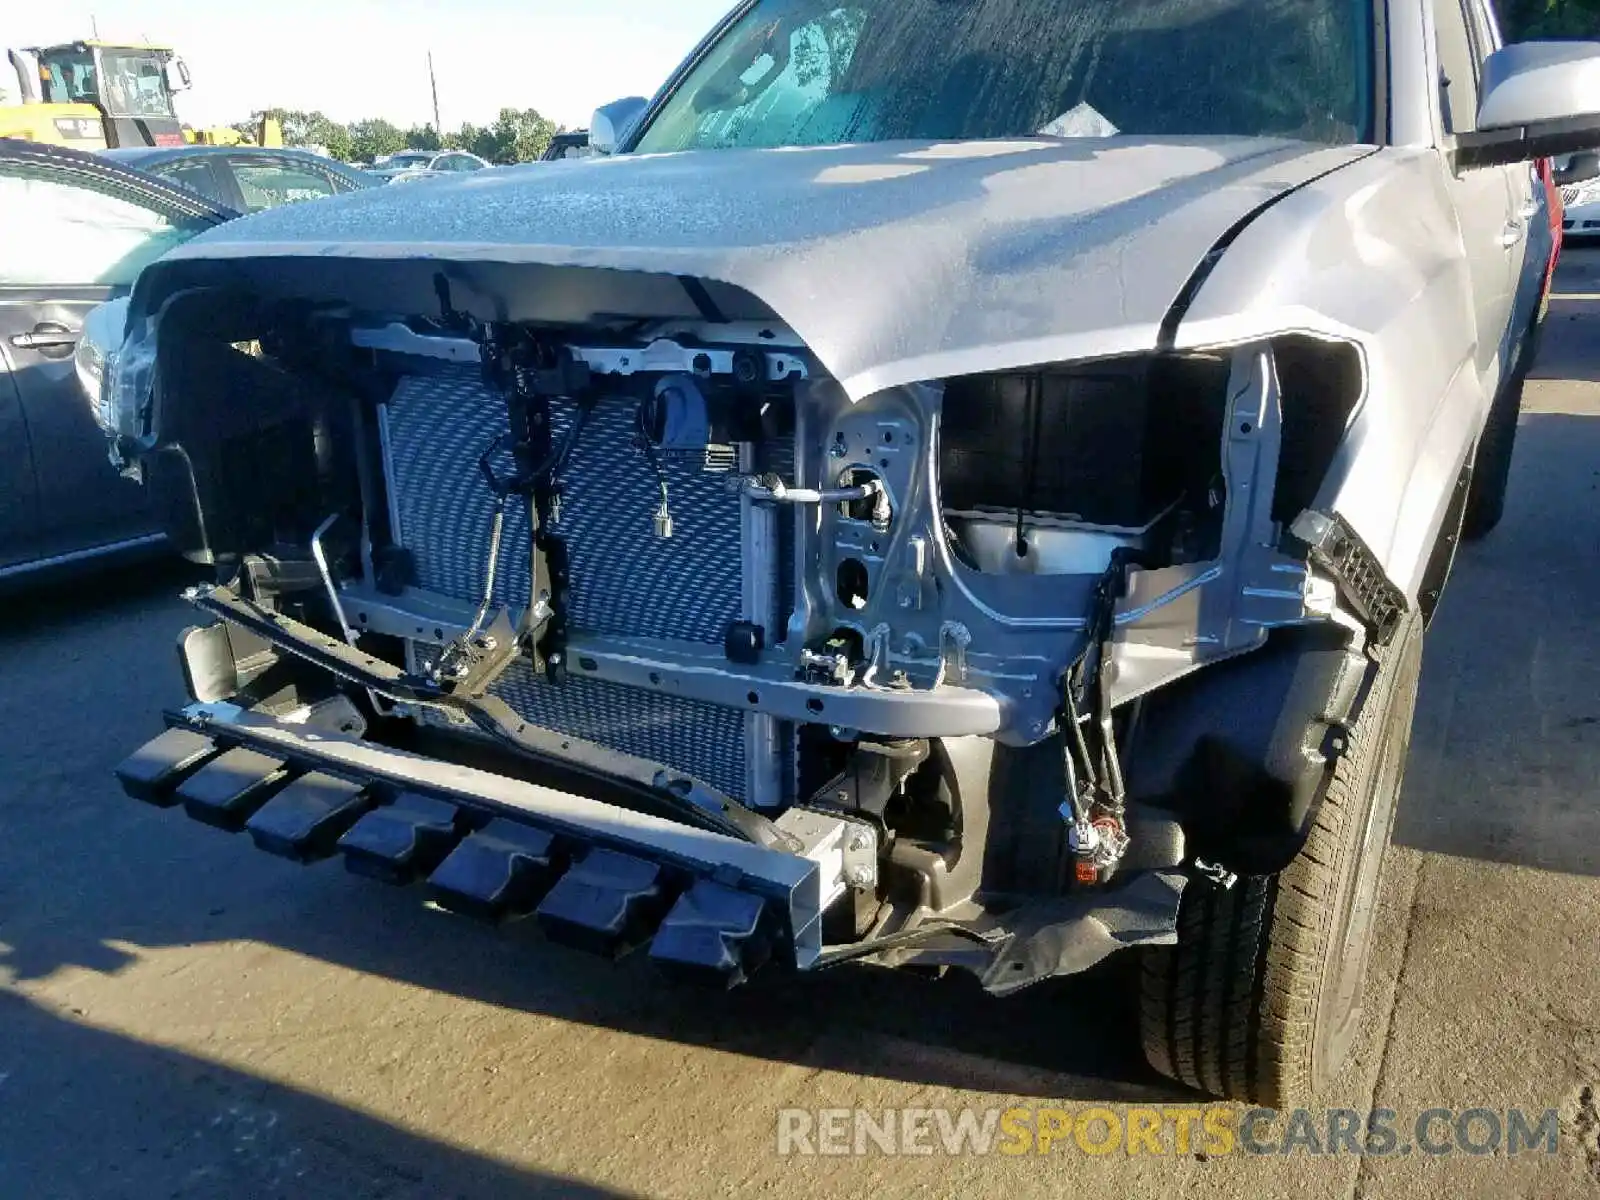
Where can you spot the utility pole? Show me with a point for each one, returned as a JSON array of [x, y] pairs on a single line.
[[95, 26], [434, 84]]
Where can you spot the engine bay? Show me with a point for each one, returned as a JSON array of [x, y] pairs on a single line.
[[674, 559]]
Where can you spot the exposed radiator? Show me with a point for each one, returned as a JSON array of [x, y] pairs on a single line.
[[435, 429], [624, 579], [706, 740]]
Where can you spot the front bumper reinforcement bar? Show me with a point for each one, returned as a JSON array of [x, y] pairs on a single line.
[[595, 875], [491, 716]]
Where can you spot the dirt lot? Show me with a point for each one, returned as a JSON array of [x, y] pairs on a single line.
[[182, 1016]]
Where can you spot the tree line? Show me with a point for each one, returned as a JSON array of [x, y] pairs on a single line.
[[517, 135], [1529, 20]]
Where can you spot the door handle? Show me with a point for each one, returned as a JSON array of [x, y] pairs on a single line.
[[1511, 234], [46, 337]]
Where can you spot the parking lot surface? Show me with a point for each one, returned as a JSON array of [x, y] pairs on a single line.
[[181, 1016]]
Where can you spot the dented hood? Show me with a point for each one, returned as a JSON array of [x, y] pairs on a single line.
[[895, 262]]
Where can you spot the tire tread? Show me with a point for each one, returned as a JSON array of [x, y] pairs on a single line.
[[1232, 1008]]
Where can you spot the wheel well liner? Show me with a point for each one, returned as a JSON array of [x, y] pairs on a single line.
[[1243, 751]]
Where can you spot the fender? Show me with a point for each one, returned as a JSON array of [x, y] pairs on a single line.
[[1444, 457], [1370, 254]]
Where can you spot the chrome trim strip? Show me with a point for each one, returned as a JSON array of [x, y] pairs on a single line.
[[75, 556]]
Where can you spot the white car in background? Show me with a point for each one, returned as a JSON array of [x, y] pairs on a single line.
[[425, 164], [1578, 177]]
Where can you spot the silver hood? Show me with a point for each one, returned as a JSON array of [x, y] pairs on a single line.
[[895, 262]]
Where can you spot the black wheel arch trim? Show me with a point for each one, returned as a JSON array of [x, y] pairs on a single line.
[[1243, 751]]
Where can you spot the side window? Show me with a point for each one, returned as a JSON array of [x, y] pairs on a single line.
[[1458, 68], [196, 176], [80, 233], [267, 185]]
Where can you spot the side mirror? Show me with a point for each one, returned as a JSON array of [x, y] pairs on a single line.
[[178, 77], [1537, 99], [612, 123]]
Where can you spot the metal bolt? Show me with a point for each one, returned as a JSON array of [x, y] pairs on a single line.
[[858, 876], [859, 841]]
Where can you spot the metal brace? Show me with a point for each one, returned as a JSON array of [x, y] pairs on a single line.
[[1096, 800]]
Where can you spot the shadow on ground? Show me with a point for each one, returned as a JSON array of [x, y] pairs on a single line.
[[1506, 751], [145, 1121], [1566, 349], [61, 603], [174, 883]]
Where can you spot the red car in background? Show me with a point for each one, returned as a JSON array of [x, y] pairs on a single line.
[[1557, 211]]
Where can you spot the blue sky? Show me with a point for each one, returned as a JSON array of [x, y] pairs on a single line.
[[368, 58]]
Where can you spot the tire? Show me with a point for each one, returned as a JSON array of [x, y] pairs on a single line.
[[1491, 473], [1260, 1000]]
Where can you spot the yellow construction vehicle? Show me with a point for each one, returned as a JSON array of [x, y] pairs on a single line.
[[93, 94], [268, 132]]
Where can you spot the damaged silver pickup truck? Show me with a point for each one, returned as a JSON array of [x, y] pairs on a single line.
[[955, 484]]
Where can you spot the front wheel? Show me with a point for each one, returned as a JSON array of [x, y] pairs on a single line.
[[1261, 998]]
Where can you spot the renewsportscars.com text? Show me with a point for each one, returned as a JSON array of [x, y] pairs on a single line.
[[1168, 1130]]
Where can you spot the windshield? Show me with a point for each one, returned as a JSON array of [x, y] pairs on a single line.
[[128, 83], [816, 72], [407, 160]]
